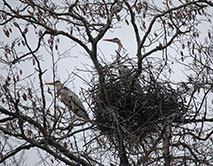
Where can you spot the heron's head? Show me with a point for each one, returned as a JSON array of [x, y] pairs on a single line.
[[114, 40], [57, 83]]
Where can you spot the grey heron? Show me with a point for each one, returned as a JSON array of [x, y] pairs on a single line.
[[70, 99], [123, 70]]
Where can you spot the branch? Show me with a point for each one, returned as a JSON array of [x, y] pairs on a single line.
[[85, 23], [150, 28], [15, 151], [199, 138], [186, 121], [166, 12], [31, 19], [135, 29], [43, 145], [25, 118], [166, 142], [56, 32], [39, 75], [6, 119], [159, 48], [67, 153], [32, 51], [188, 147]]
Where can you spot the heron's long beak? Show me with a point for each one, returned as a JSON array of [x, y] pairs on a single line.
[[108, 40], [49, 83]]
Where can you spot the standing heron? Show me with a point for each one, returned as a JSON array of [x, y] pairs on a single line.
[[70, 99], [123, 70]]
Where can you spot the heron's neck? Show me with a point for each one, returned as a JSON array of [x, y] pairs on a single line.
[[118, 52], [59, 87], [119, 48]]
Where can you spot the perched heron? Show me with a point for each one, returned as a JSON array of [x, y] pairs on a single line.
[[122, 69], [70, 99]]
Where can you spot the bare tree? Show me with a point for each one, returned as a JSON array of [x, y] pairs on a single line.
[[148, 116]]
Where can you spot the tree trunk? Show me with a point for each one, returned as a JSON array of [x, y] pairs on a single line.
[[166, 143], [122, 152]]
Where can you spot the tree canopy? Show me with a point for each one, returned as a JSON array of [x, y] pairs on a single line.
[[149, 102]]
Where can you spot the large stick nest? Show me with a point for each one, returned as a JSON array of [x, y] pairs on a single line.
[[133, 108]]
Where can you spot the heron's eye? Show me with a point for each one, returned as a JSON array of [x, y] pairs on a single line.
[[116, 39]]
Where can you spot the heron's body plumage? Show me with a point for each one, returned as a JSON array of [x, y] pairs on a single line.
[[70, 99]]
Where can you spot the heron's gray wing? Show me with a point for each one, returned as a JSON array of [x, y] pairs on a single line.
[[75, 99]]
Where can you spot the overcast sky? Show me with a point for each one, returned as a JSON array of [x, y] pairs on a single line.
[[78, 59]]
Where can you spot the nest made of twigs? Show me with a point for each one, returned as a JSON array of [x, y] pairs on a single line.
[[132, 108]]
